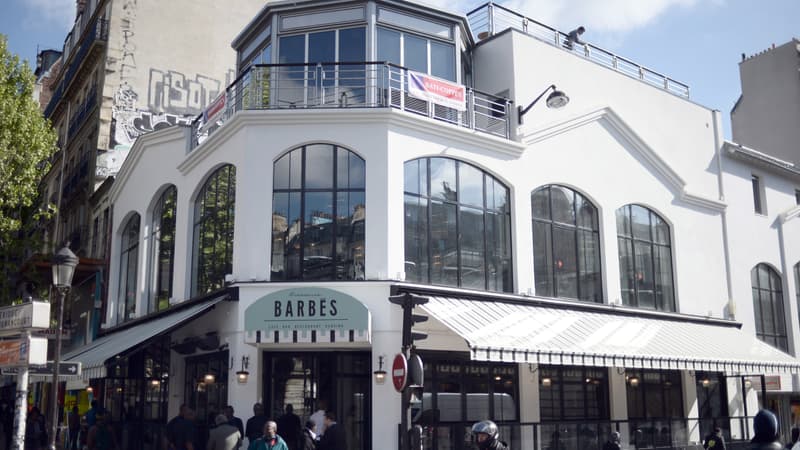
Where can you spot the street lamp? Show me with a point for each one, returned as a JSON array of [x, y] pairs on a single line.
[[64, 263], [555, 100]]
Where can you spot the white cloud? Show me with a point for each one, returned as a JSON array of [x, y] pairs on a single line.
[[46, 14]]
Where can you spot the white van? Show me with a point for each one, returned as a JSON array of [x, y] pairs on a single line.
[[448, 408]]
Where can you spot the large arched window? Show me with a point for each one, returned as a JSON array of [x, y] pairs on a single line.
[[162, 250], [645, 259], [213, 231], [128, 263], [318, 214], [768, 306], [566, 245], [457, 226]]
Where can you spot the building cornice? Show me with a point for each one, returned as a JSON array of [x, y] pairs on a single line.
[[608, 117], [386, 116], [761, 160]]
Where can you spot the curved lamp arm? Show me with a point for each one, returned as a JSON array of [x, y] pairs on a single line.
[[556, 99]]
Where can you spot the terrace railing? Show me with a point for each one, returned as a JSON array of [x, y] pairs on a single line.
[[345, 85], [492, 18]]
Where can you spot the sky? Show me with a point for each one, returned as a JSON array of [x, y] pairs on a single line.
[[697, 42]]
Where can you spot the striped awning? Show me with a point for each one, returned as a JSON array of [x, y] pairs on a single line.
[[94, 355], [522, 333]]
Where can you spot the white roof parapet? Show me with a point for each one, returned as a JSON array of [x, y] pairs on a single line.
[[769, 162]]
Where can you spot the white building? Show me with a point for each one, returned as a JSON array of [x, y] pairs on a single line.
[[587, 269]]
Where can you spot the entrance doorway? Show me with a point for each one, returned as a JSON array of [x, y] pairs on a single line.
[[335, 381]]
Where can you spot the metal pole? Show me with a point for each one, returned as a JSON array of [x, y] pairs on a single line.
[[60, 295], [20, 408]]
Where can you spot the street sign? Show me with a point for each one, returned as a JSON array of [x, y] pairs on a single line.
[[415, 371], [17, 318], [399, 372], [65, 368], [23, 352]]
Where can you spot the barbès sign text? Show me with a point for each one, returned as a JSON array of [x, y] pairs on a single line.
[[307, 315]]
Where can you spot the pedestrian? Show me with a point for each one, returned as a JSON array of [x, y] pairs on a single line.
[[270, 440], [91, 415], [613, 441], [7, 421], [309, 441], [714, 441], [255, 425], [35, 430], [101, 435], [233, 420], [182, 432], [290, 427], [795, 437], [334, 437], [765, 428], [574, 37], [319, 417], [225, 436], [487, 437], [73, 428]]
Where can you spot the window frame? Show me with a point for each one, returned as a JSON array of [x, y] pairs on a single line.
[[630, 240], [157, 222], [200, 219], [129, 253], [773, 336], [556, 376], [576, 230]]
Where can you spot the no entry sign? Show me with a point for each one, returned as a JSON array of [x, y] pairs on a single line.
[[399, 372]]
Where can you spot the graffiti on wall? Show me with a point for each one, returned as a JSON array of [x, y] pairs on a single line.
[[175, 93], [130, 122], [128, 60]]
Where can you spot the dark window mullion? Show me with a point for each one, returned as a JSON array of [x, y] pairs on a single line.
[[577, 247], [302, 191], [428, 226], [486, 262], [552, 262], [334, 207], [459, 271]]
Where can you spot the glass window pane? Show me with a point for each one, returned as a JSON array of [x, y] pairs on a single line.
[[296, 169], [443, 179], [389, 46], [281, 172], [444, 244], [322, 47], [540, 203], [411, 176], [661, 230], [590, 276], [645, 284], [623, 221], [266, 55], [350, 170], [626, 272], [350, 213], [319, 167], [562, 201], [640, 222], [663, 274], [564, 253], [501, 198], [543, 259], [415, 53], [292, 49], [443, 60], [470, 185], [352, 45], [280, 229], [317, 236], [586, 213], [416, 250], [473, 258]]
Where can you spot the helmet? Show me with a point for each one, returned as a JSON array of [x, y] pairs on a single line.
[[487, 427]]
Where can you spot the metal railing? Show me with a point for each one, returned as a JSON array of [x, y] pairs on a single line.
[[492, 18], [79, 117], [591, 435], [99, 32], [347, 85]]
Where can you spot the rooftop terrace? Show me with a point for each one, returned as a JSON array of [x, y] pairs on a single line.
[[491, 18]]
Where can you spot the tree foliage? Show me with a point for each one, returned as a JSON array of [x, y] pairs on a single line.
[[26, 143]]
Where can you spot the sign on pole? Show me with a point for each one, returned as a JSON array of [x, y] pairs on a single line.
[[23, 351], [65, 368], [399, 372], [18, 318]]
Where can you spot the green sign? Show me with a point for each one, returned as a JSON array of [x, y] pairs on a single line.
[[307, 315]]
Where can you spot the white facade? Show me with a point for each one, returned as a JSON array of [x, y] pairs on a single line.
[[622, 144]]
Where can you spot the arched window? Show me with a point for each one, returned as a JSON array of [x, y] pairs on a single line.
[[128, 263], [457, 226], [162, 250], [318, 214], [768, 306], [645, 259], [566, 245], [213, 231]]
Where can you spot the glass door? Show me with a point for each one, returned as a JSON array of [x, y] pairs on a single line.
[[308, 381]]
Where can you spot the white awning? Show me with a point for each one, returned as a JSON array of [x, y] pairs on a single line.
[[95, 354], [517, 332]]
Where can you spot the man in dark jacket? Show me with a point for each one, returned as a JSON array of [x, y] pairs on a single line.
[[613, 441], [765, 426], [487, 436], [309, 441], [334, 438], [290, 427], [255, 425]]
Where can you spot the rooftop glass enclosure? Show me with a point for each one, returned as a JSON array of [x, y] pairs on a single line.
[[355, 55]]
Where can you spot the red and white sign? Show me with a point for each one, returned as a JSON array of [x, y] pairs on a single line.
[[399, 372], [441, 92], [215, 108]]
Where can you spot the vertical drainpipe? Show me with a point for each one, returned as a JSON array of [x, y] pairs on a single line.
[[718, 144]]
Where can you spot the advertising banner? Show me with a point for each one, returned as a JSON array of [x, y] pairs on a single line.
[[438, 91]]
